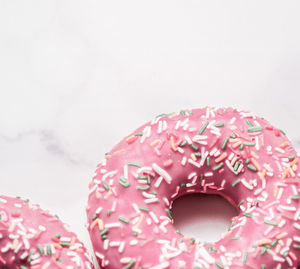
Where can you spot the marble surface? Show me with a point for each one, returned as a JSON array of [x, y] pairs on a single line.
[[77, 76]]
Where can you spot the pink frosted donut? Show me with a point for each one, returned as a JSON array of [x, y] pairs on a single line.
[[221, 151], [33, 238]]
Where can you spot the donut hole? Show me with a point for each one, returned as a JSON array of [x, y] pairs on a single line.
[[203, 216]]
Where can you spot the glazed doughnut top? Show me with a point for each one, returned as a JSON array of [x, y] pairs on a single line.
[[32, 238], [222, 151]]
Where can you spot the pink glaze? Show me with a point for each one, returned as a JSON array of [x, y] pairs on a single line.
[[225, 151], [33, 238]]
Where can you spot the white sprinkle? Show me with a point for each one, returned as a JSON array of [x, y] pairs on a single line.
[[93, 188], [125, 260], [180, 150], [279, 193], [222, 248], [258, 191], [240, 168], [278, 259], [289, 261], [295, 192], [202, 142], [271, 213], [144, 169], [207, 113], [166, 201], [114, 244], [204, 156], [158, 181], [289, 242], [268, 230], [213, 151], [125, 169], [191, 161], [270, 204], [165, 125], [296, 238], [148, 195], [98, 210], [99, 255], [6, 248], [223, 260], [281, 223], [188, 139], [36, 261], [112, 225], [162, 173], [257, 147], [135, 229], [215, 132], [231, 156], [47, 264], [230, 167], [26, 243], [42, 228], [191, 175], [206, 255], [135, 220], [109, 174], [297, 226], [177, 125], [113, 207], [24, 255], [163, 242], [65, 239], [287, 208], [133, 242], [3, 200], [154, 217], [121, 248], [159, 129], [279, 150], [146, 133], [157, 151], [163, 224], [175, 252], [181, 264], [151, 200], [246, 184], [196, 138], [105, 244], [233, 160], [135, 207]]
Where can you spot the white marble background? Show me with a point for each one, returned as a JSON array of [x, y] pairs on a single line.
[[77, 76]]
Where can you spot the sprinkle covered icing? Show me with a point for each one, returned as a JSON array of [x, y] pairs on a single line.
[[223, 151], [33, 238]]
